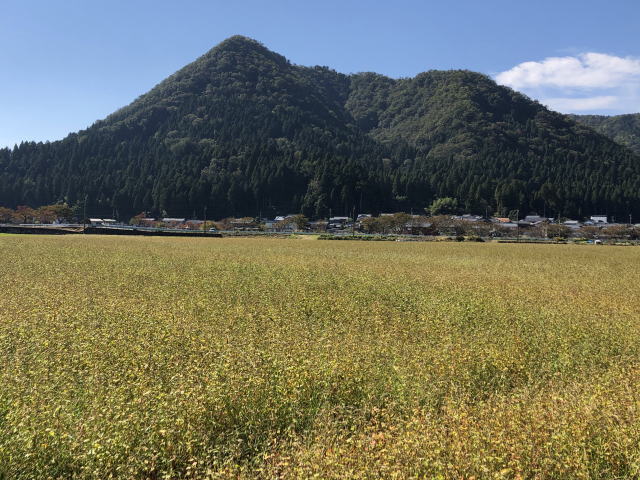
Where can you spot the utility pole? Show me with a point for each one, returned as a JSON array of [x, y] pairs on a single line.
[[84, 214], [353, 221], [205, 219]]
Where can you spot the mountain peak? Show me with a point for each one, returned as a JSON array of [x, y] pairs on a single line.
[[243, 46], [239, 41], [242, 131]]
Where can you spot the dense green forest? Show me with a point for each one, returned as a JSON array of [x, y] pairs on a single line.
[[242, 131], [624, 129]]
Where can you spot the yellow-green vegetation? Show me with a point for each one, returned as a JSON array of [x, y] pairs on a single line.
[[153, 358]]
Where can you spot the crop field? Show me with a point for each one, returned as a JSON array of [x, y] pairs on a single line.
[[172, 358]]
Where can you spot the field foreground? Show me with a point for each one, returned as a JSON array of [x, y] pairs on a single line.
[[214, 358]]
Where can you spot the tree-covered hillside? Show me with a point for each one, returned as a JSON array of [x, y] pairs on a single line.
[[241, 131], [624, 129]]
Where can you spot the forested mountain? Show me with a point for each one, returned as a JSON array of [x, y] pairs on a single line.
[[242, 131], [624, 129]]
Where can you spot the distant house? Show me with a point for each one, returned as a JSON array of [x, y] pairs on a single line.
[[467, 217], [534, 219], [599, 219], [173, 222], [270, 224], [96, 222], [147, 222], [572, 224], [244, 224], [417, 226], [286, 226], [504, 222], [362, 217], [318, 226], [338, 222], [194, 224]]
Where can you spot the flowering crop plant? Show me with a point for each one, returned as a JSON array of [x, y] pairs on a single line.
[[198, 358]]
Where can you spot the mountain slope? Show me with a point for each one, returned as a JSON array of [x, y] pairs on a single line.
[[490, 146], [242, 131], [623, 129]]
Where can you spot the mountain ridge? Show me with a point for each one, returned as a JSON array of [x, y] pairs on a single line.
[[243, 131], [623, 129]]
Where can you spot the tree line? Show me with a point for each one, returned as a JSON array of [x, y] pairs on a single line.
[[59, 212]]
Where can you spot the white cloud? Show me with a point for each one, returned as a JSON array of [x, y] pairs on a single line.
[[590, 81], [581, 104], [587, 70]]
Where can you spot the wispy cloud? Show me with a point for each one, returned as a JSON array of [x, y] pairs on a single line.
[[604, 102], [584, 82], [587, 70]]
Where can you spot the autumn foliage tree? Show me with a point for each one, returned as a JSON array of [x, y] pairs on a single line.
[[6, 215], [58, 212], [556, 230], [24, 214]]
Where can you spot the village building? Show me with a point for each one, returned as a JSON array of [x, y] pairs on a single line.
[[173, 222], [338, 223], [147, 222], [504, 222], [318, 226], [534, 219], [572, 224], [467, 217], [417, 226], [244, 224], [194, 224], [270, 224]]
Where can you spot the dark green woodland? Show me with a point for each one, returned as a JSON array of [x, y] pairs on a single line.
[[242, 131], [624, 129]]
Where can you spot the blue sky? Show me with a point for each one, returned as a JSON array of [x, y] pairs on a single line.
[[67, 63]]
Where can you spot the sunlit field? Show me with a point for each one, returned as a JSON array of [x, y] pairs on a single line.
[[152, 358]]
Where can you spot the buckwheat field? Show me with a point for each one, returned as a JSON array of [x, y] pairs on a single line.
[[189, 358]]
